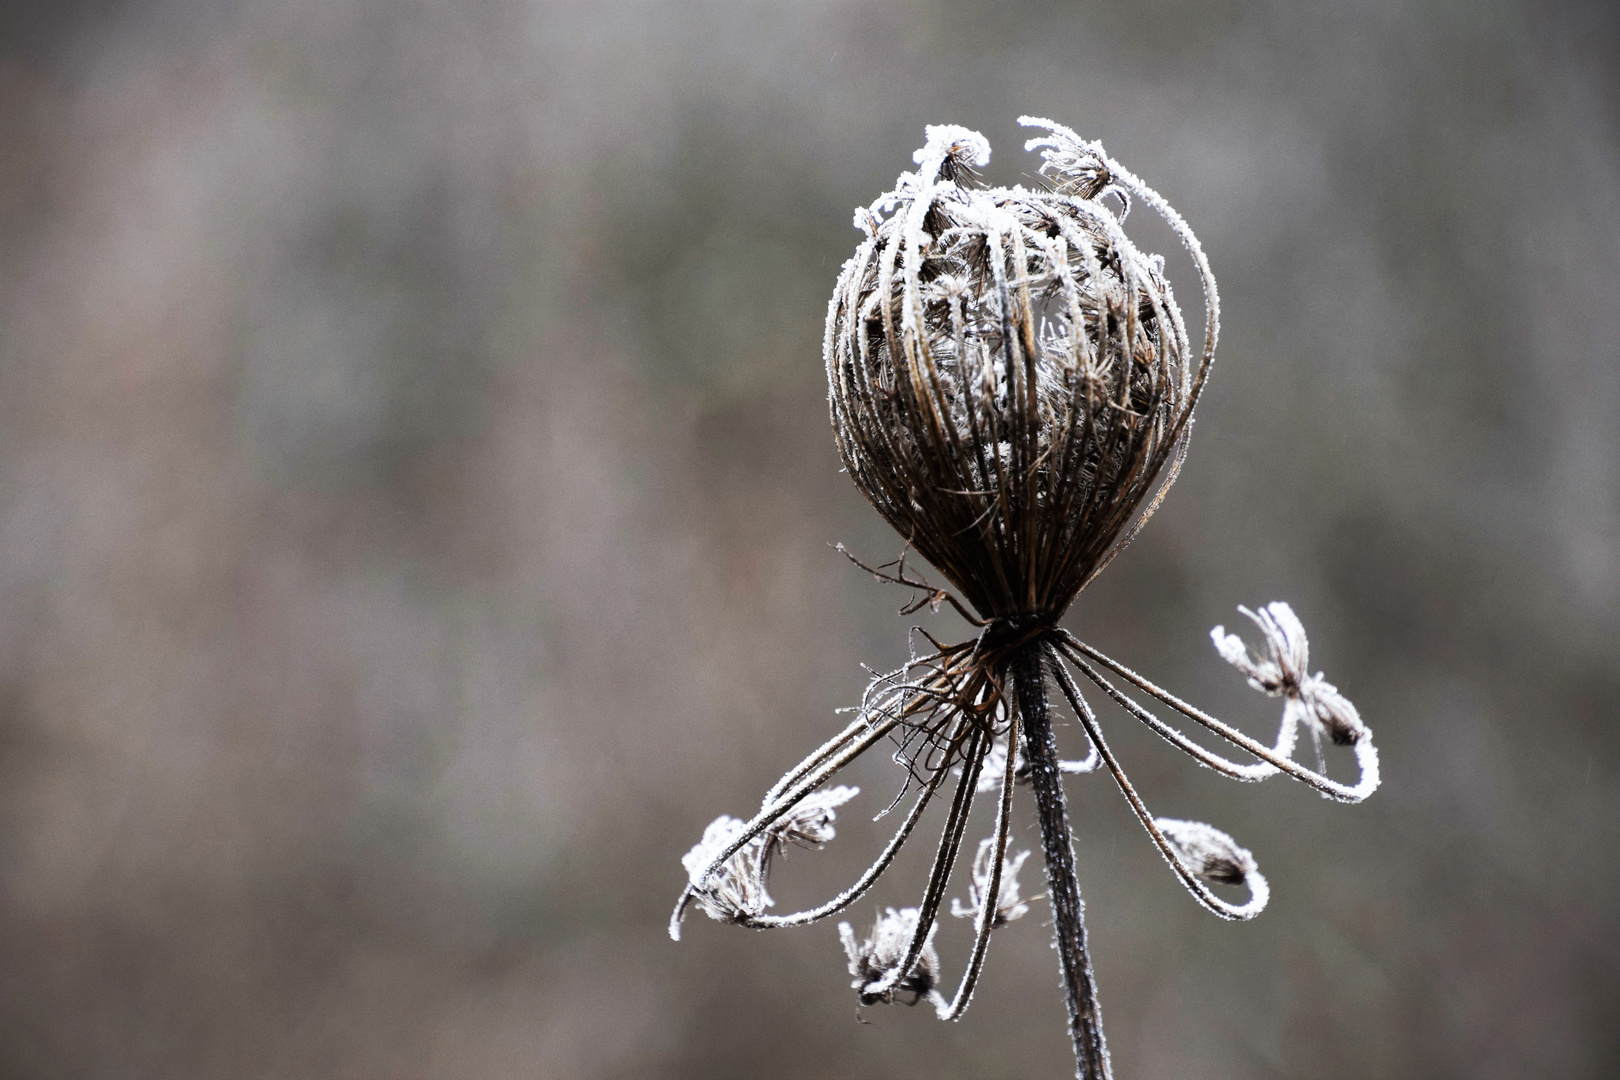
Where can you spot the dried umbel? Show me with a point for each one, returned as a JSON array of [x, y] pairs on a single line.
[[1012, 386], [1008, 374]]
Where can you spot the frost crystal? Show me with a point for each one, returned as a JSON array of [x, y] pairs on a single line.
[[1010, 906], [871, 961]]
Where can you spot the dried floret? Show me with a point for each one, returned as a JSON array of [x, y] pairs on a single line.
[[1282, 670], [1214, 858], [873, 960], [735, 891], [810, 824], [1010, 904]]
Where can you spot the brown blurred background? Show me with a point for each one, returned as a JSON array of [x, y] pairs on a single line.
[[416, 496]]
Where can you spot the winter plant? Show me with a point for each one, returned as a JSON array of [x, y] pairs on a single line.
[[1012, 386]]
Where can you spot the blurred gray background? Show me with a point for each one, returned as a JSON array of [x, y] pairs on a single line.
[[416, 495]]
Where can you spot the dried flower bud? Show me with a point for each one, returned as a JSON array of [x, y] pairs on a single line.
[[872, 960], [1332, 713], [1008, 374], [1009, 904], [1208, 854]]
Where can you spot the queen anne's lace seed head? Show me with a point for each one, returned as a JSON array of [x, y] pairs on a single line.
[[1012, 386], [1009, 374], [873, 960]]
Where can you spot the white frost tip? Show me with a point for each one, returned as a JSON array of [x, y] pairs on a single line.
[[948, 142]]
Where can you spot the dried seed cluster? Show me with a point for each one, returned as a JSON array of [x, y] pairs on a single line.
[[1008, 373]]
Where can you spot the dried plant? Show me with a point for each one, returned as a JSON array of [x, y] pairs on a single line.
[[1012, 386]]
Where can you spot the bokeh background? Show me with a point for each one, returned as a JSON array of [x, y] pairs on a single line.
[[416, 496]]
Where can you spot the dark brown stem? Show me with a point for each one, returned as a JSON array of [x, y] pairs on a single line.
[[1062, 885]]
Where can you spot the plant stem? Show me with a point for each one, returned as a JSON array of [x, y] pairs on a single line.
[[1062, 886]]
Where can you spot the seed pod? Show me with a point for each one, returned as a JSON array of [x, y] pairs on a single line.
[[1008, 375]]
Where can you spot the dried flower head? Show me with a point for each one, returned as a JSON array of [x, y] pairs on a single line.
[[1012, 386], [1009, 375], [810, 824], [1312, 702], [1010, 905], [875, 962], [735, 890]]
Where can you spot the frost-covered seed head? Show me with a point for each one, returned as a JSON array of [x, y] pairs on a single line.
[[1330, 713], [1283, 670], [1008, 374], [736, 891], [1012, 386], [883, 950], [810, 823]]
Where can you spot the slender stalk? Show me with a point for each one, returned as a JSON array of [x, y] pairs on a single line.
[[1062, 885]]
